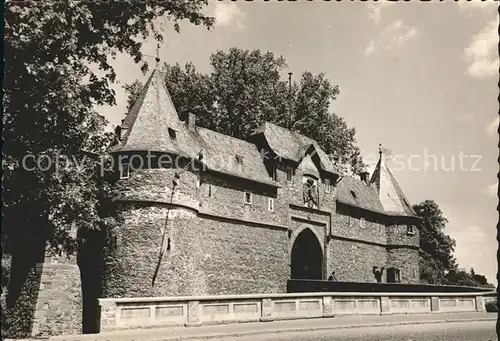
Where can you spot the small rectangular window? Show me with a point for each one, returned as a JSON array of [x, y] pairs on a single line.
[[410, 230], [209, 190], [271, 205], [362, 223], [289, 174], [124, 171], [414, 273], [274, 173], [327, 185], [248, 198]]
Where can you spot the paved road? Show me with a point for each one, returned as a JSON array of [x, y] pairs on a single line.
[[454, 331]]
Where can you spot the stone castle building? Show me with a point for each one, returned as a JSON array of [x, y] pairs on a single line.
[[208, 214], [201, 213]]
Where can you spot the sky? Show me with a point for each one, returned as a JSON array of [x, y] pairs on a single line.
[[419, 78]]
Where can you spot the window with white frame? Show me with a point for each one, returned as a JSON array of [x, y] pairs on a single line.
[[362, 223], [327, 185], [124, 171], [247, 197], [270, 205], [397, 275]]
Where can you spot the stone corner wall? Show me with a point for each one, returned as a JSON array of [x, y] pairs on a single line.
[[58, 309]]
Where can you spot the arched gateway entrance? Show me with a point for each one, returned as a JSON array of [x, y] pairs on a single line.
[[307, 257]]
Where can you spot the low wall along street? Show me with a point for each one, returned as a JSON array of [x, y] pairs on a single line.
[[147, 312]]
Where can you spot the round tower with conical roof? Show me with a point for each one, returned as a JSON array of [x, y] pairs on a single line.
[[155, 182]]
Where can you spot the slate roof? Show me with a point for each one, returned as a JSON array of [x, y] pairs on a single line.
[[146, 128], [354, 192], [391, 196], [220, 153], [292, 145]]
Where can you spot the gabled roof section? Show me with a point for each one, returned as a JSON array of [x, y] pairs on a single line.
[[146, 127], [354, 192], [308, 167], [390, 194], [291, 145], [232, 156]]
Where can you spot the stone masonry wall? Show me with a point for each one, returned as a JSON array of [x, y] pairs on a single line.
[[354, 262], [224, 198], [155, 185], [206, 256], [59, 302], [220, 245], [346, 223], [407, 260], [242, 258], [398, 235]]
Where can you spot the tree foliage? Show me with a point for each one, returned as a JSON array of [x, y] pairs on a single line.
[[50, 94], [52, 131], [436, 247], [245, 88], [464, 278], [437, 262]]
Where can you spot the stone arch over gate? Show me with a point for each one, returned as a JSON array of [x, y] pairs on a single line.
[[306, 255]]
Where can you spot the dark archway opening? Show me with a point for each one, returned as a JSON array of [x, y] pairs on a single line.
[[90, 262], [307, 257]]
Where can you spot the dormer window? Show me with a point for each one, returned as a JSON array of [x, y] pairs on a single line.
[[239, 159], [247, 198], [410, 230], [172, 133], [124, 171]]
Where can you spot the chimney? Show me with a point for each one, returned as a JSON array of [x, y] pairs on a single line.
[[118, 131], [363, 175], [191, 121]]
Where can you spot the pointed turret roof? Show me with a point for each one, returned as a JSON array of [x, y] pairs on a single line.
[[153, 115], [391, 196]]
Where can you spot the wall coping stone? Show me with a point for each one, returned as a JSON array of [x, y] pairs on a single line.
[[126, 300]]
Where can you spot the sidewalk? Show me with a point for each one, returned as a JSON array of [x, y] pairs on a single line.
[[255, 328]]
